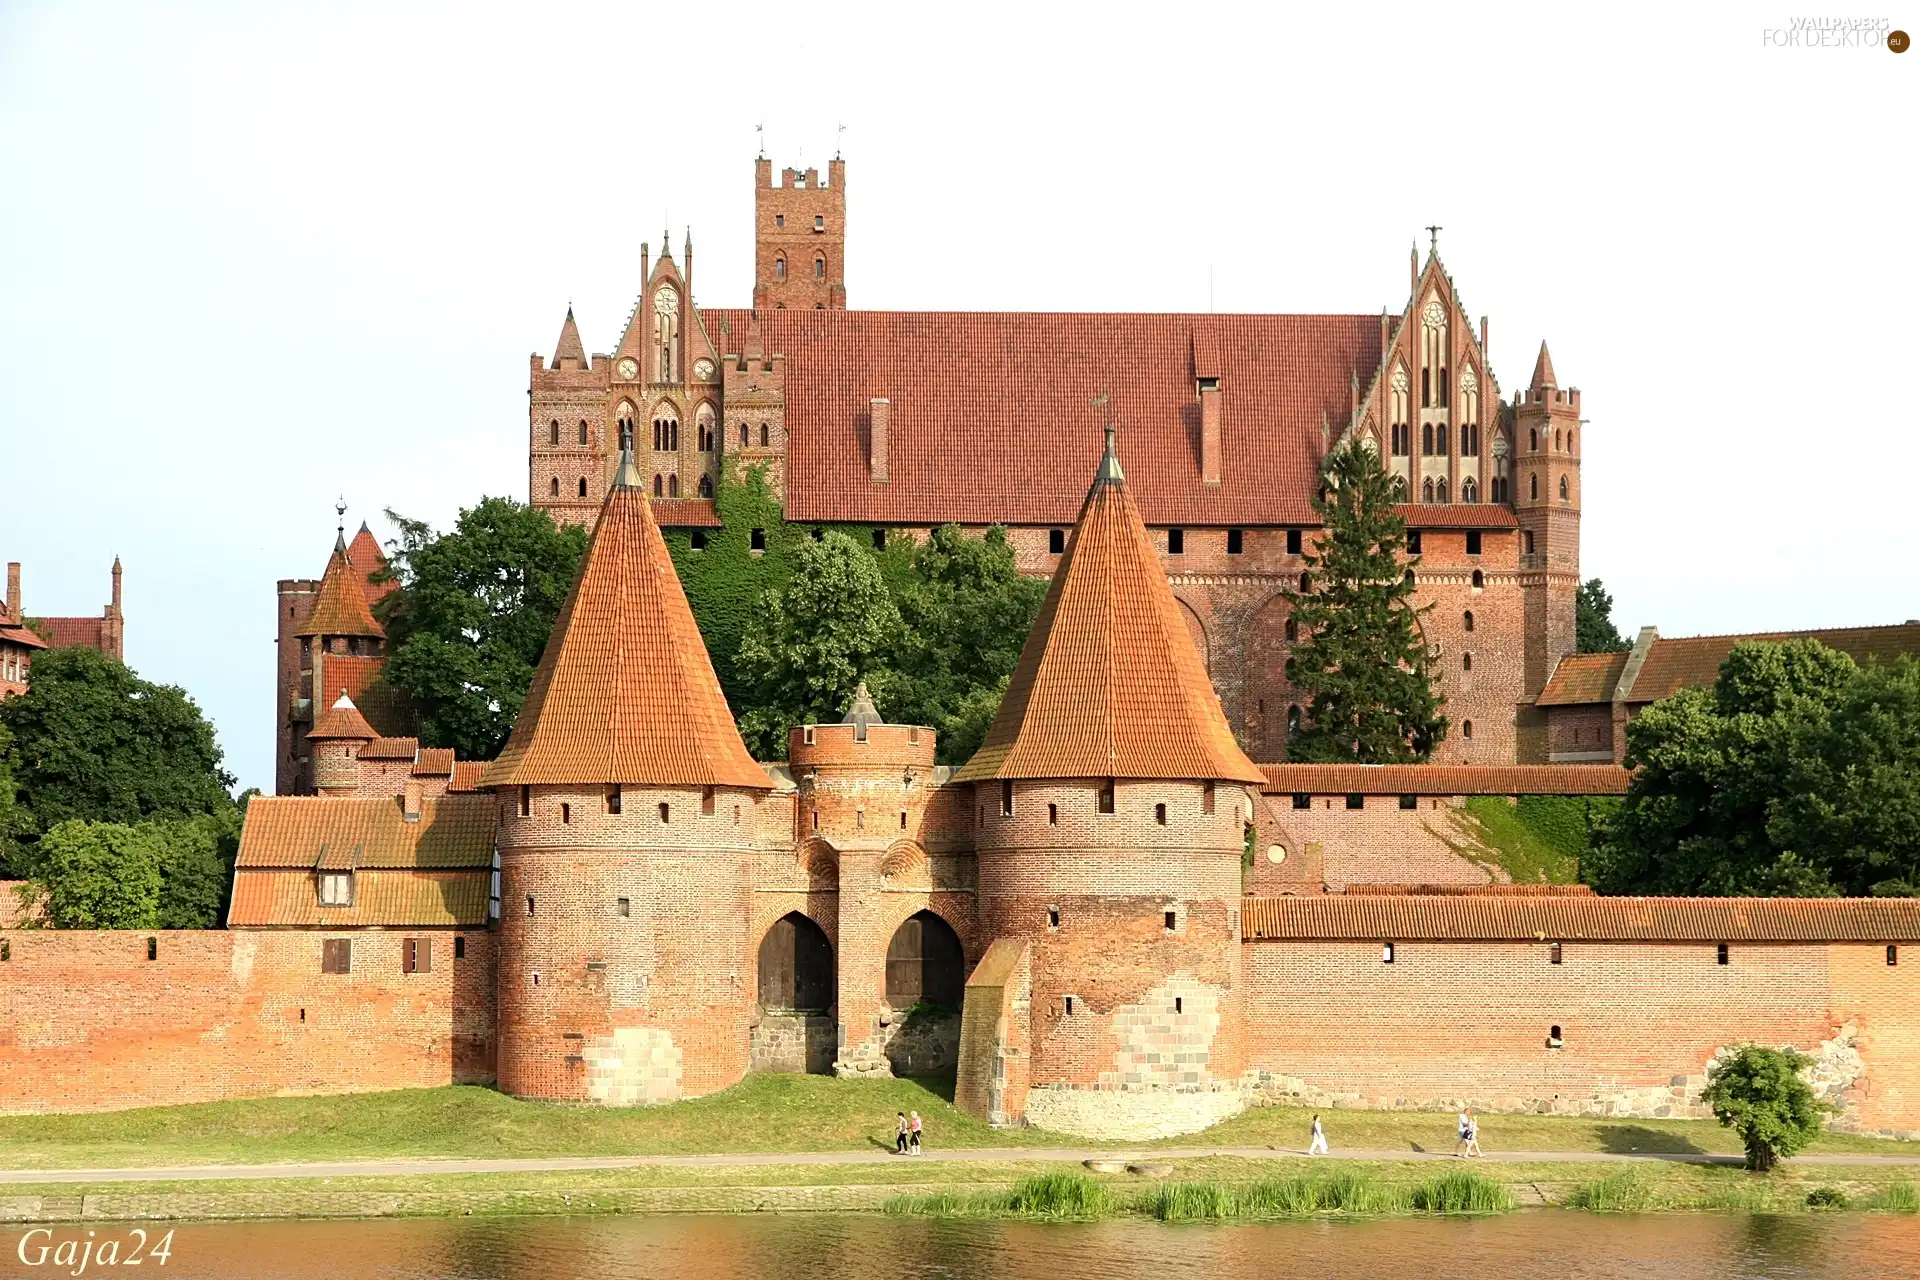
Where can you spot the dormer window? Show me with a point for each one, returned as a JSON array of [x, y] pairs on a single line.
[[336, 888]]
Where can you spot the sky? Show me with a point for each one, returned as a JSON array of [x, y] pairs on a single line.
[[257, 257]]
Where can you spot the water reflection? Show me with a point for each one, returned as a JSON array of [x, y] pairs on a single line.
[[1568, 1246]]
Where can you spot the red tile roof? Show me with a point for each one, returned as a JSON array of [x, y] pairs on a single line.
[[434, 762], [61, 633], [991, 420], [383, 707], [22, 636], [342, 720], [1582, 678], [391, 749], [1457, 515], [1109, 684], [686, 513], [1524, 890], [467, 775], [625, 691], [340, 605], [368, 831], [1446, 779], [1680, 662], [367, 557], [394, 899], [1554, 918]]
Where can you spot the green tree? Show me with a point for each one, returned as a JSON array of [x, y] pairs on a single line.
[[1593, 629], [965, 612], [1718, 772], [12, 819], [97, 875], [1760, 1092], [813, 640], [471, 616], [1361, 662], [196, 868], [94, 742]]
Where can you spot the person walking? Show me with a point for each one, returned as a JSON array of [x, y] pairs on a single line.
[[1473, 1135], [913, 1132], [1466, 1133], [900, 1133], [1318, 1147]]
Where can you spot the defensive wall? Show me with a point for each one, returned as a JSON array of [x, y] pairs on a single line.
[[101, 1020]]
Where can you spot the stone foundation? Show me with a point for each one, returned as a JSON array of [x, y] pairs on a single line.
[[924, 1045], [635, 1066], [1131, 1115], [794, 1042]]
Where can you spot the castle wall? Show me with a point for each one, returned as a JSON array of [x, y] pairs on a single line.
[[1380, 843], [88, 1023], [1328, 1023]]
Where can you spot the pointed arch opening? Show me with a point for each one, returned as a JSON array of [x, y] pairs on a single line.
[[796, 969], [706, 486]]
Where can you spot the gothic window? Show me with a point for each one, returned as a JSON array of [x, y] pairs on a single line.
[[554, 489], [1292, 630], [624, 418], [706, 486], [583, 486], [763, 435], [666, 330], [1466, 729], [659, 485], [1569, 442], [1469, 413], [1556, 442], [1426, 388], [1426, 440], [553, 432], [1469, 491], [1500, 467], [1426, 490], [1433, 352], [779, 268], [1440, 439], [1469, 440], [1399, 414], [819, 268], [673, 486], [1466, 620], [1533, 487], [1400, 442], [1563, 488], [1306, 583], [583, 431], [666, 430], [1533, 440], [703, 427], [1440, 490], [1466, 662]]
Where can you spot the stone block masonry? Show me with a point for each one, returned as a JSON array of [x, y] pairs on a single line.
[[96, 1021]]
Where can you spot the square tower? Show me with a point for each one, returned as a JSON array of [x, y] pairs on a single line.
[[800, 237]]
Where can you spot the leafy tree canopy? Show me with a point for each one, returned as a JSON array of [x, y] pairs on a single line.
[[1593, 628], [92, 741], [1361, 662], [1798, 773], [471, 617], [1761, 1092]]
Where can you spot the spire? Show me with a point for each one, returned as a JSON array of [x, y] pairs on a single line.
[[628, 476], [368, 559], [666, 243], [862, 712], [569, 346], [625, 692], [1109, 684], [340, 605], [344, 721], [1543, 369]]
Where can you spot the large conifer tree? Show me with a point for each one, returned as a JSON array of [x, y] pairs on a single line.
[[1361, 663]]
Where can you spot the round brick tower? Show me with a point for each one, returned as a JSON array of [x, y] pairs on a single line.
[[1111, 803], [337, 741], [863, 787], [628, 807]]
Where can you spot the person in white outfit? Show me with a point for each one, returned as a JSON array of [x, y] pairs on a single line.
[[1318, 1147]]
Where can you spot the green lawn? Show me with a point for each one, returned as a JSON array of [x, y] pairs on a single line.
[[764, 1113]]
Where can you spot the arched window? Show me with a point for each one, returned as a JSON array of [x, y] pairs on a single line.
[[1563, 488], [763, 435], [779, 268], [706, 486], [553, 432], [1426, 388], [673, 486], [1569, 442], [796, 966], [583, 431], [666, 430], [1469, 440], [623, 417], [1466, 729], [1444, 396], [925, 964], [583, 486], [554, 488], [1466, 662], [1466, 620], [1306, 583], [1293, 721], [1440, 488], [1426, 490], [819, 268], [1426, 439], [659, 485], [1533, 440], [743, 435], [1479, 580], [1292, 630], [1469, 490], [1533, 487], [1440, 439], [703, 427]]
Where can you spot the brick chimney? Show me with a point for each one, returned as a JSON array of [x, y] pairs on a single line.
[[1209, 431], [881, 418], [410, 801], [13, 590]]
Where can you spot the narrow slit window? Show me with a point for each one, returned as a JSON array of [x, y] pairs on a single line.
[[1053, 815], [1160, 814], [1105, 802], [1386, 953], [153, 948], [1236, 541], [1172, 919], [1720, 955], [529, 904], [1206, 797], [526, 802], [566, 813], [613, 798], [706, 802], [623, 907], [1056, 541], [666, 812], [1555, 954], [1069, 1006], [1893, 954], [1053, 917], [1006, 799], [459, 948]]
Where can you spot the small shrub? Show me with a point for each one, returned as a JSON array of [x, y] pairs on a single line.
[[1620, 1193], [1060, 1195], [1897, 1197], [1827, 1198], [1761, 1093], [1463, 1192]]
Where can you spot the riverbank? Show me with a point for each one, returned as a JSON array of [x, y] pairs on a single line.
[[764, 1114], [978, 1188]]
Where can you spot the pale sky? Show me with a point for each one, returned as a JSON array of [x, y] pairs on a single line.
[[254, 256]]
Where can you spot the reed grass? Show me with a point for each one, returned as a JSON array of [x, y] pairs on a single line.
[[1061, 1196], [1463, 1191], [1896, 1197], [1621, 1193]]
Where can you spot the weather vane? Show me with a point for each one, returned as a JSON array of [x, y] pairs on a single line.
[[760, 136], [839, 141], [340, 510], [1433, 234]]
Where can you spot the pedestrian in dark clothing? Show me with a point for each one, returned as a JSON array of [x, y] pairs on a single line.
[[900, 1134]]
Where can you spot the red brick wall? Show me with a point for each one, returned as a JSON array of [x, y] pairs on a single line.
[[1582, 734], [1451, 1021], [88, 1023], [1380, 843]]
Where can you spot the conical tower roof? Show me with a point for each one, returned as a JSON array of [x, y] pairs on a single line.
[[340, 606], [569, 347], [625, 691], [365, 554], [1109, 684], [1543, 369], [342, 720]]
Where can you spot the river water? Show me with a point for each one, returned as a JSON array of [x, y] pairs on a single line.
[[1559, 1244]]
